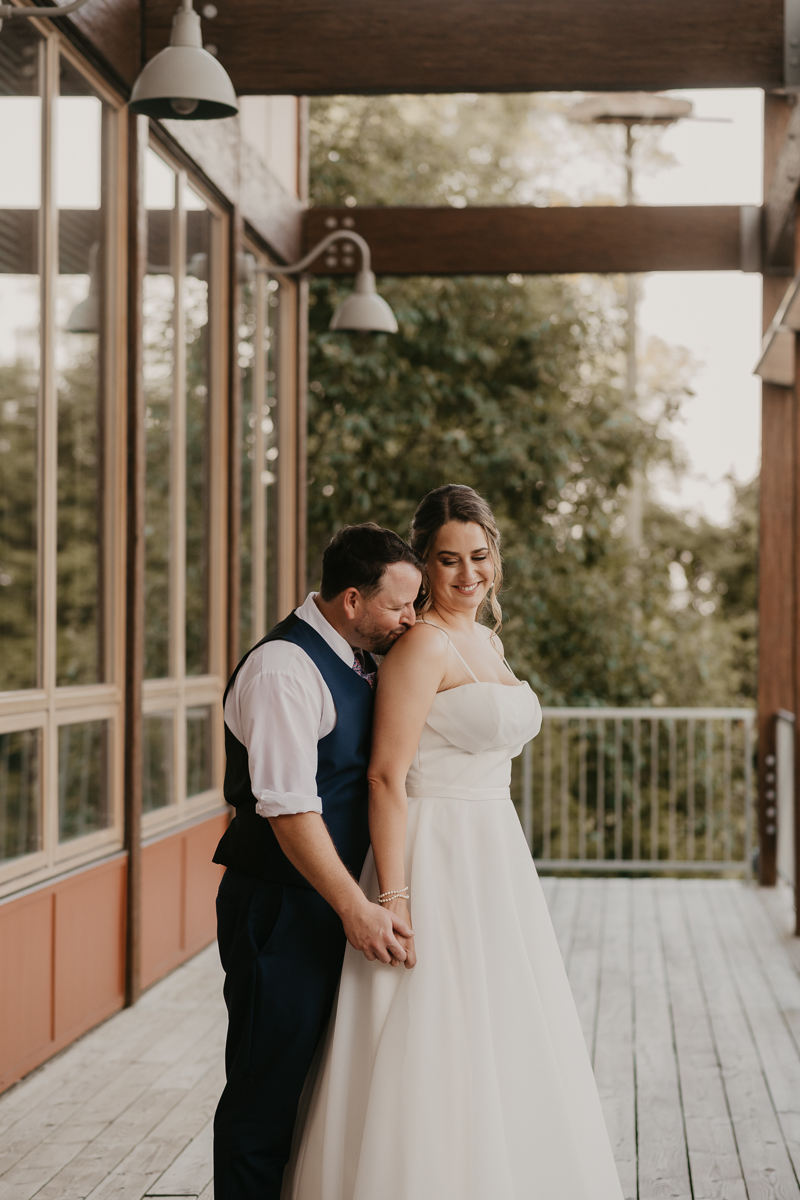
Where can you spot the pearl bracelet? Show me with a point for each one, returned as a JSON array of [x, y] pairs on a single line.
[[399, 894]]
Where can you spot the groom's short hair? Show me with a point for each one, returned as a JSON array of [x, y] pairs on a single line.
[[358, 555]]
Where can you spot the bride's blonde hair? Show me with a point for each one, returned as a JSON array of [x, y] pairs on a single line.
[[456, 502]]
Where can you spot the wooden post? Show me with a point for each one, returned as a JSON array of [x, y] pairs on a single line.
[[134, 624]]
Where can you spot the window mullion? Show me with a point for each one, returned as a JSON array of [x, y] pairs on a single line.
[[178, 490], [258, 507], [48, 494]]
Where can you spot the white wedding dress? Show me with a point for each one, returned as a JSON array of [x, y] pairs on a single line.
[[466, 1078]]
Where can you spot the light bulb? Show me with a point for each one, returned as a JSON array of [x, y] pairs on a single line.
[[183, 106]]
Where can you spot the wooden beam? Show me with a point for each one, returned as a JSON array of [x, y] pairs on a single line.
[[112, 31], [323, 47], [782, 191], [536, 241]]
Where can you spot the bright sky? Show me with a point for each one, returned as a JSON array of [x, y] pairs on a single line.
[[717, 316]]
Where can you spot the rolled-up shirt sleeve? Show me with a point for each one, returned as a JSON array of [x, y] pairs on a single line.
[[278, 715]]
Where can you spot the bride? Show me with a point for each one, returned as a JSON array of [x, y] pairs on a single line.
[[465, 1077]]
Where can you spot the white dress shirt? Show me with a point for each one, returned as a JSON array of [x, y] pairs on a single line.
[[279, 708]]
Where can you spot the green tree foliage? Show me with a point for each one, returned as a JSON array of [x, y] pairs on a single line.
[[18, 523], [516, 387]]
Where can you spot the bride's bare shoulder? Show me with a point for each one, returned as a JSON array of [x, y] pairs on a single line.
[[422, 641]]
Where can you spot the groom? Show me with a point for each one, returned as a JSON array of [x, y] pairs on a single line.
[[298, 714]]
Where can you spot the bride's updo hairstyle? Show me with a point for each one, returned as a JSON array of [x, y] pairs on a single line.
[[456, 502]]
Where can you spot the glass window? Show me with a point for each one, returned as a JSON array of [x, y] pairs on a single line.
[[83, 795], [159, 750], [246, 330], [21, 57], [198, 475], [259, 317], [199, 756], [20, 802], [159, 356], [79, 353], [61, 427], [183, 467]]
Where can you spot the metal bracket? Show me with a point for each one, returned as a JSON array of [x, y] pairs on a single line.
[[791, 45]]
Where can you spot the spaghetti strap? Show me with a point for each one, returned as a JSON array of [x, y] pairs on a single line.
[[505, 660], [460, 657]]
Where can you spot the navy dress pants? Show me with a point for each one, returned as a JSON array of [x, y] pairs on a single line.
[[281, 949]]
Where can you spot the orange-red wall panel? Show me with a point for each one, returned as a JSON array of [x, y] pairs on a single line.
[[162, 907], [89, 956], [179, 889], [26, 984], [202, 881], [62, 963]]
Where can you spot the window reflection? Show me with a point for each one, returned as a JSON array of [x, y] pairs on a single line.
[[20, 825], [83, 798], [199, 732], [20, 197], [198, 258], [159, 336], [259, 309], [79, 375], [157, 784]]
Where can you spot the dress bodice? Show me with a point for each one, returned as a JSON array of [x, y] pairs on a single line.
[[471, 734]]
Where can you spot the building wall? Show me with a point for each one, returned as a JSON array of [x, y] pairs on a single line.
[[90, 910], [62, 945]]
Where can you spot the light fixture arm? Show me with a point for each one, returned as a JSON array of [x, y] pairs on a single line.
[[301, 264], [14, 10]]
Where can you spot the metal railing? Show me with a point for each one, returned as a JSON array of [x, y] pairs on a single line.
[[639, 789]]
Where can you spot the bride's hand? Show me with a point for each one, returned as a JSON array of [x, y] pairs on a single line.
[[399, 909]]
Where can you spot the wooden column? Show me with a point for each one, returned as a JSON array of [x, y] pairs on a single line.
[[778, 487], [134, 624]]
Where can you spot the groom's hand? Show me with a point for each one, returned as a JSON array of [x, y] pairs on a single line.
[[371, 929]]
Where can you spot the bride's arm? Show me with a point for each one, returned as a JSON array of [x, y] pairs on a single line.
[[408, 680]]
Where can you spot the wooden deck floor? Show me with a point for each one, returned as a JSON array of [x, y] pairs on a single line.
[[690, 1001]]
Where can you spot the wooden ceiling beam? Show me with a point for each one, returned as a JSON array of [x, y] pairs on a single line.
[[535, 241], [324, 47]]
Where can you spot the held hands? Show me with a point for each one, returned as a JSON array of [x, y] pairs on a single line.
[[398, 909], [380, 933]]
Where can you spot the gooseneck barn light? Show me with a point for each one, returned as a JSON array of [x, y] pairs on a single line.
[[364, 310], [183, 81]]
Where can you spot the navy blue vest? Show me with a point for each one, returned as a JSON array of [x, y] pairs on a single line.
[[248, 844]]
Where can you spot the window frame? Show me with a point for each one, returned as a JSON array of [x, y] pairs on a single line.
[[48, 706], [178, 692], [284, 494]]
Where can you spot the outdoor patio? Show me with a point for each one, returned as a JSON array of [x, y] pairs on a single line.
[[689, 994]]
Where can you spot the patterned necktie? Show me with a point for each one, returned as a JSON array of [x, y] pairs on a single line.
[[360, 668]]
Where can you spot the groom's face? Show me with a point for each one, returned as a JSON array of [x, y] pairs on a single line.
[[383, 617]]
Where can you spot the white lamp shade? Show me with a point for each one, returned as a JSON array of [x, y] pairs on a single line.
[[184, 82], [85, 316], [364, 309]]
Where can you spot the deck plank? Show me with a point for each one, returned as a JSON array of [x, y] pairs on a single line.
[[765, 1161], [687, 991], [713, 1156], [586, 954], [614, 1059], [663, 1161], [774, 1044]]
